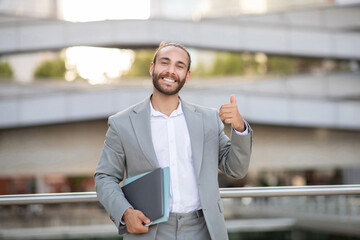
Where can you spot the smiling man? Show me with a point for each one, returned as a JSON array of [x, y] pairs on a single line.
[[166, 131]]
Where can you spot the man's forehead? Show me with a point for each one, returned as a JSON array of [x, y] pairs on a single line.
[[173, 51]]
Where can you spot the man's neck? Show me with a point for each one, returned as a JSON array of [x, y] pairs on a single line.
[[164, 103]]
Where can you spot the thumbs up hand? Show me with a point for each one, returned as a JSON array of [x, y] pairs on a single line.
[[229, 113]]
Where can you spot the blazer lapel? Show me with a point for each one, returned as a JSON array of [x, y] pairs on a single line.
[[140, 119], [194, 121]]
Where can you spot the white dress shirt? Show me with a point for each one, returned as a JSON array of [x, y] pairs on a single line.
[[172, 146]]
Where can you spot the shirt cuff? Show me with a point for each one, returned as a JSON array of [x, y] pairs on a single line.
[[245, 132]]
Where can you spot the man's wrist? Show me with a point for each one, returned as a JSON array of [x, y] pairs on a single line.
[[122, 221], [246, 130]]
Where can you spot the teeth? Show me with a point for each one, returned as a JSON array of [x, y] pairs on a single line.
[[169, 80]]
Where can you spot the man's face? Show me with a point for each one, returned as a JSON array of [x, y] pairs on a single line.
[[169, 73]]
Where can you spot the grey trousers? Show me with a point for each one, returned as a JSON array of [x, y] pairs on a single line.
[[183, 226], [180, 226]]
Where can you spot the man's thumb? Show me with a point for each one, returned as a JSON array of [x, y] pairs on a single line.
[[233, 99]]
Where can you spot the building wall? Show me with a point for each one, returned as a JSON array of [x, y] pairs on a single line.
[[277, 147], [71, 149], [57, 158]]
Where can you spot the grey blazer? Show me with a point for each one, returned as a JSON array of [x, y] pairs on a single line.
[[128, 148]]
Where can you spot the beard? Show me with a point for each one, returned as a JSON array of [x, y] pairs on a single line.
[[156, 77]]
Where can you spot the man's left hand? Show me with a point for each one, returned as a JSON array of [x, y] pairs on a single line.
[[229, 113]]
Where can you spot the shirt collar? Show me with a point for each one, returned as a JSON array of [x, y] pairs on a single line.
[[175, 113]]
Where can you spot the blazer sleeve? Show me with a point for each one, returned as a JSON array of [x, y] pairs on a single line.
[[109, 173], [234, 154]]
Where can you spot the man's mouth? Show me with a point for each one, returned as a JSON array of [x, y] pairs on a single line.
[[169, 80]]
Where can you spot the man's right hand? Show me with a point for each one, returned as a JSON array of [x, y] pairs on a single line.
[[134, 220]]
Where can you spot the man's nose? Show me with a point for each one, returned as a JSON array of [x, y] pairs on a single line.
[[171, 69]]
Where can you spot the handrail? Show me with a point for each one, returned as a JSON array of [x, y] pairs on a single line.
[[291, 191], [52, 198], [48, 198]]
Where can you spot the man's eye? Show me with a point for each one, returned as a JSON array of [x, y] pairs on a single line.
[[163, 62], [180, 66]]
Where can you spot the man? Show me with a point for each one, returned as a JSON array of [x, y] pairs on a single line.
[[164, 130]]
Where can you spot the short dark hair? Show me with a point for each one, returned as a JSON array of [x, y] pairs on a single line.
[[164, 44]]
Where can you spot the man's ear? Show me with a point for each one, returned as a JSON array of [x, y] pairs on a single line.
[[187, 76], [151, 68]]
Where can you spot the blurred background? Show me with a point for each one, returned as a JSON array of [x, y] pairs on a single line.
[[65, 66]]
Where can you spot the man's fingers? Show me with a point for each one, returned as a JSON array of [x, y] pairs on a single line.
[[228, 121], [225, 115], [144, 219], [229, 109], [233, 99], [229, 113], [138, 229], [141, 229], [134, 220]]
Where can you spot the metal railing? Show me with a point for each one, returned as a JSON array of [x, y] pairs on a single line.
[[81, 197]]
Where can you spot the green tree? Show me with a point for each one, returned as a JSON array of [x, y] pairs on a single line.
[[280, 65], [220, 66], [5, 70], [51, 69], [233, 64], [140, 66], [200, 70]]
